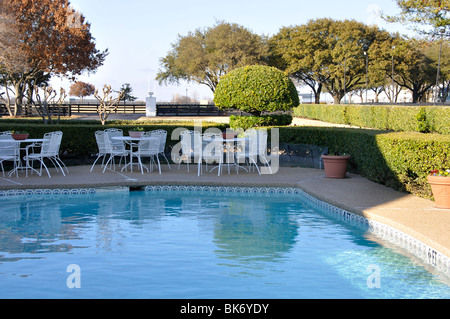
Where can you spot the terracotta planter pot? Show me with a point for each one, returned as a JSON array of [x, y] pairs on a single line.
[[335, 166], [20, 137], [228, 136], [440, 185], [136, 134]]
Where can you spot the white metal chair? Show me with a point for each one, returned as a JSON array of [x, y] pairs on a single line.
[[254, 148], [49, 149], [248, 152], [9, 152], [148, 148], [101, 144], [191, 147], [213, 150], [262, 147], [114, 148], [162, 146]]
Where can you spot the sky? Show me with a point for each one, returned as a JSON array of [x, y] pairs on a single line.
[[138, 33]]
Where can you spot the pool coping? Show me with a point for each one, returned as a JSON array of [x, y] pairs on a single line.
[[396, 217]]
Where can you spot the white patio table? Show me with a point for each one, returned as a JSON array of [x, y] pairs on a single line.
[[27, 165], [230, 145], [131, 141]]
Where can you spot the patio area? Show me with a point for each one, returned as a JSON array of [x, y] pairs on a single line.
[[412, 215]]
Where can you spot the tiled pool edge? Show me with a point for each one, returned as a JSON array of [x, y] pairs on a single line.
[[422, 251]]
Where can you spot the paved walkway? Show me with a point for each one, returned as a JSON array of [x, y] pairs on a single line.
[[410, 214]]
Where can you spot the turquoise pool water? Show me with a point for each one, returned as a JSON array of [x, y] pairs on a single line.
[[186, 245]]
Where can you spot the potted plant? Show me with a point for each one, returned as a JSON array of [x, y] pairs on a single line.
[[20, 135], [439, 181], [136, 132], [229, 135], [335, 165]]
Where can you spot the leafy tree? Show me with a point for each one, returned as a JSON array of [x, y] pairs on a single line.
[[433, 51], [81, 89], [205, 55], [54, 38], [256, 89], [127, 90], [413, 68], [432, 13], [325, 52]]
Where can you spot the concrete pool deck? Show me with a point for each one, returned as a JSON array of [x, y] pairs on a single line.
[[409, 214]]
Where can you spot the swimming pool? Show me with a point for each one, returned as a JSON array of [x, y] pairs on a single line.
[[196, 242]]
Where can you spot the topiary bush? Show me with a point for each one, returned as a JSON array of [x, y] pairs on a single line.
[[256, 89], [246, 122]]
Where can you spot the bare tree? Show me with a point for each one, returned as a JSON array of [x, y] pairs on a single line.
[[107, 103], [45, 104]]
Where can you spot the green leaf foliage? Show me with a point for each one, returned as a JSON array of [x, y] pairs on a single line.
[[256, 89], [390, 117]]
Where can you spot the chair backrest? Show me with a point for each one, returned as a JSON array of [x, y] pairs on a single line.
[[251, 146], [115, 144], [149, 146], [262, 142], [8, 149], [51, 143], [191, 142], [212, 147], [100, 137], [163, 138]]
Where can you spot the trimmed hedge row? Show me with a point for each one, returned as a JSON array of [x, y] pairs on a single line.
[[396, 118], [400, 160]]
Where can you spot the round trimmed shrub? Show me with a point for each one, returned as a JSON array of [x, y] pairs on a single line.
[[256, 89]]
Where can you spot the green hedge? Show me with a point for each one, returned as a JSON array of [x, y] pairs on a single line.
[[396, 118], [246, 122], [400, 160]]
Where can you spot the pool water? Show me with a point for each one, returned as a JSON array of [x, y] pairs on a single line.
[[180, 245]]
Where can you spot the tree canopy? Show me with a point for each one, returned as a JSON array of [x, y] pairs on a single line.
[[205, 55], [256, 89], [51, 38], [433, 13], [325, 51]]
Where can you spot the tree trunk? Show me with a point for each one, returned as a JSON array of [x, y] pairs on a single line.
[[317, 94], [18, 90]]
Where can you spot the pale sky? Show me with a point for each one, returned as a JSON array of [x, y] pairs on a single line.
[[138, 33]]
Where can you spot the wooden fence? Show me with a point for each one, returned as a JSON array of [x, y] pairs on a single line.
[[162, 109]]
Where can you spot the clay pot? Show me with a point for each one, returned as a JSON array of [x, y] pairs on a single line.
[[440, 185], [136, 134], [20, 137], [335, 165]]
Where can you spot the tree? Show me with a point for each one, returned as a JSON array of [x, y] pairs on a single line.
[[434, 51], [107, 103], [256, 89], [55, 40], [325, 52], [205, 55], [127, 90], [432, 13], [81, 89], [12, 58]]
